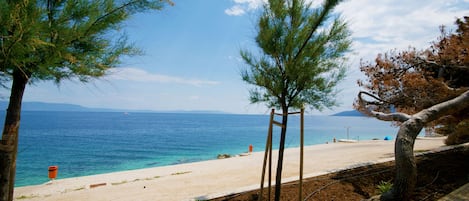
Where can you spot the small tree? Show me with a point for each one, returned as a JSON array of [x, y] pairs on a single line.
[[301, 60], [56, 40], [410, 81], [417, 89], [411, 125]]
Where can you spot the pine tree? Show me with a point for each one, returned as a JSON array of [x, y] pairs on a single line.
[[301, 62], [419, 89], [56, 40]]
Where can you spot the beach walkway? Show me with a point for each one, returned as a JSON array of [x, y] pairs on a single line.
[[460, 194], [209, 179]]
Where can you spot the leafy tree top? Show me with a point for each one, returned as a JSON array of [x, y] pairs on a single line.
[[412, 80], [57, 39], [302, 55]]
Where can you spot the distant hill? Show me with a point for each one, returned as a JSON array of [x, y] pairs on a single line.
[[64, 107], [35, 106], [350, 113], [41, 106]]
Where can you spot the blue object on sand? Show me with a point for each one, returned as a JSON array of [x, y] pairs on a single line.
[[387, 138]]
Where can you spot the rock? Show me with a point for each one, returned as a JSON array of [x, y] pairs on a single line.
[[222, 156]]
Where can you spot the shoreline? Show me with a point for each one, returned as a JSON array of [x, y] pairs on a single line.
[[213, 178], [217, 156]]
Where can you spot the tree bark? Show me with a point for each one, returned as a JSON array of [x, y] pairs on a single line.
[[278, 177], [406, 170], [9, 142]]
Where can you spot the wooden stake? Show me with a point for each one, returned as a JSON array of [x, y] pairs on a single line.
[[300, 193], [270, 161], [268, 156], [268, 150]]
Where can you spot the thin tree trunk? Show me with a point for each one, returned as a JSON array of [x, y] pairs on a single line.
[[9, 142], [406, 171], [406, 168], [278, 178]]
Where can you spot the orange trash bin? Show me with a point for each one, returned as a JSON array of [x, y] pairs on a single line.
[[53, 171], [250, 148]]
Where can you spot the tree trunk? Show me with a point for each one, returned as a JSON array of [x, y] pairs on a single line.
[[9, 142], [278, 178], [406, 169]]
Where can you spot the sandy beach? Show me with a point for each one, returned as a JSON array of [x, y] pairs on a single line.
[[209, 179]]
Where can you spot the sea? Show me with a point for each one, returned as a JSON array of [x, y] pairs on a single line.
[[88, 143]]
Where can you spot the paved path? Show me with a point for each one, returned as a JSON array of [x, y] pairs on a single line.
[[460, 194], [209, 179]]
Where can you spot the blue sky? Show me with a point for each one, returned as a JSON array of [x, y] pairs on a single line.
[[192, 61]]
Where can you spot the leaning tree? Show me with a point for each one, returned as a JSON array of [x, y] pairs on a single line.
[[56, 40], [411, 80], [301, 60], [416, 89]]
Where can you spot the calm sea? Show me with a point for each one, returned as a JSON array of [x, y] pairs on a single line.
[[86, 143]]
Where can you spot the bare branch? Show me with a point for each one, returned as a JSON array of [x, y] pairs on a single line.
[[364, 108], [425, 116], [456, 104]]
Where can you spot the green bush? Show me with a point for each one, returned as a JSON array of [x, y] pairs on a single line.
[[384, 186]]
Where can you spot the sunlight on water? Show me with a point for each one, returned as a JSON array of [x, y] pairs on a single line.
[[85, 143]]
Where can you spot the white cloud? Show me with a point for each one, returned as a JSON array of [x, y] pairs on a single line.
[[240, 7], [381, 26], [251, 4], [139, 75], [391, 24], [236, 10], [397, 23]]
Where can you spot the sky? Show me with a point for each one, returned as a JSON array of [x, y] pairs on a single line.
[[192, 61]]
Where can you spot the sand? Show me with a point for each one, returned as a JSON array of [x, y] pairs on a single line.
[[209, 179]]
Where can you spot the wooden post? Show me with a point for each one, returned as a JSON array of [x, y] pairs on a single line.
[[268, 152], [270, 160], [268, 155], [300, 193]]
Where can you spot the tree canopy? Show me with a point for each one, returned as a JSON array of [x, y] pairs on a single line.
[[56, 40], [301, 60], [416, 89], [302, 55], [412, 80]]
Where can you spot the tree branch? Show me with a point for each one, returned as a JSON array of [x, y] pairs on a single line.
[[425, 116], [108, 14], [327, 7], [456, 104], [364, 108], [122, 7]]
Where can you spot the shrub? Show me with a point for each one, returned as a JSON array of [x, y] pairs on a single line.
[[384, 186]]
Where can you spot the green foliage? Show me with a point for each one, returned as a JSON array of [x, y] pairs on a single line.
[[302, 55], [56, 40], [384, 186]]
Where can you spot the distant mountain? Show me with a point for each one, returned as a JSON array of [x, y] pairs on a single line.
[[350, 113], [192, 111], [41, 106], [64, 107]]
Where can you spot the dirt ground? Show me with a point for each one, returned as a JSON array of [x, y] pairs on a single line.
[[438, 174]]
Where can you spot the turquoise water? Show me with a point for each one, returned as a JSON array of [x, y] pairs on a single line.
[[86, 143]]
